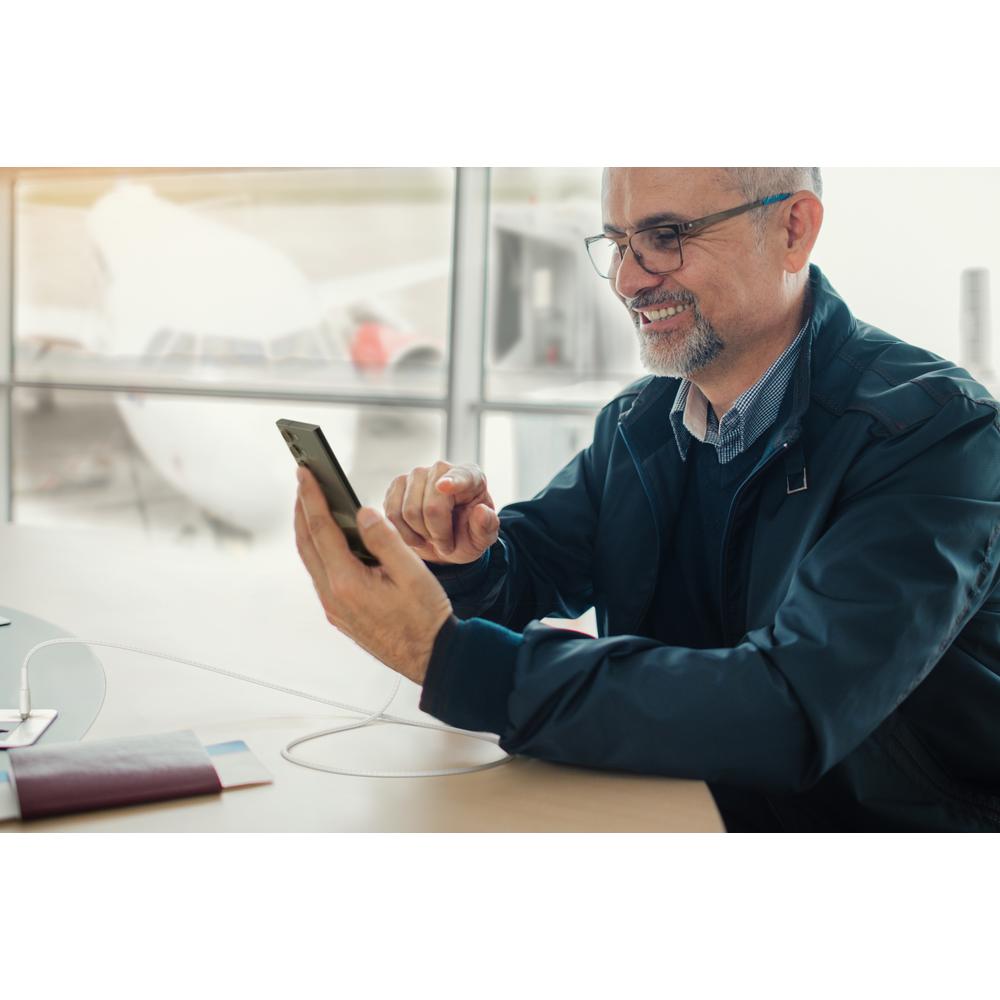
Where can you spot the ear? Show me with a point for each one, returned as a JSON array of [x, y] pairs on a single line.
[[801, 223]]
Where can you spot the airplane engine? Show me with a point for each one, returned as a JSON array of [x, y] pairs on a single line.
[[379, 346]]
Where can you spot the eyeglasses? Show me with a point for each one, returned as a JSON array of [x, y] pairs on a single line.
[[659, 249]]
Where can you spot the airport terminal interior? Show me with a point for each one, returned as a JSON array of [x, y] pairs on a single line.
[[161, 321]]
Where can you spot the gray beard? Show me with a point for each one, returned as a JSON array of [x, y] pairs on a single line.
[[679, 356]]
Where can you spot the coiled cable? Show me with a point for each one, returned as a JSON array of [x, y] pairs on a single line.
[[369, 717]]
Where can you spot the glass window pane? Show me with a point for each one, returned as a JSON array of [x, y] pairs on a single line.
[[213, 473], [555, 330], [522, 451], [554, 333], [321, 280], [875, 248]]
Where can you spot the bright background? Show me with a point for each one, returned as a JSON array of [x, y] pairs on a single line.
[[261, 84], [163, 320]]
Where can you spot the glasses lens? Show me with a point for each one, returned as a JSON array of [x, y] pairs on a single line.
[[604, 253], [659, 250]]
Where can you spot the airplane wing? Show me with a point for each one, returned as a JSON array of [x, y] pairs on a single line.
[[61, 325]]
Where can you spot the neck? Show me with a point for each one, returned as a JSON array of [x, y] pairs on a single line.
[[731, 375]]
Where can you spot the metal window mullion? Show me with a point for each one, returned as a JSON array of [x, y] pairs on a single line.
[[239, 392], [541, 408], [467, 326], [6, 343]]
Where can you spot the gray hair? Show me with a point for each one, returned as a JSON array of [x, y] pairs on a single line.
[[758, 182]]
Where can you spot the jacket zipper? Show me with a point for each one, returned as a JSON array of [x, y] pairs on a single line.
[[656, 524]]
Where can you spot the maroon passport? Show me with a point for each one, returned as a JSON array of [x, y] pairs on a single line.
[[75, 777]]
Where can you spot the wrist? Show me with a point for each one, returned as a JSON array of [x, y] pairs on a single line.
[[423, 654]]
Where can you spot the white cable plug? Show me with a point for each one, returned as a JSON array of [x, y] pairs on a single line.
[[370, 718]]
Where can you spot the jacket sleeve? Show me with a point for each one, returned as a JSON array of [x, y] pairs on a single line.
[[909, 556]]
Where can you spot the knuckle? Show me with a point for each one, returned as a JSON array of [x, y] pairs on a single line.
[[395, 486], [440, 530], [437, 531], [404, 531], [439, 507]]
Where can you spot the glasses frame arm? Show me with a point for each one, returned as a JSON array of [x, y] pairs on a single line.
[[682, 230]]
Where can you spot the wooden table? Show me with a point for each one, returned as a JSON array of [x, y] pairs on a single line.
[[256, 613]]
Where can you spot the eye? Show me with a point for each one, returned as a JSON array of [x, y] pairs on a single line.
[[662, 239]]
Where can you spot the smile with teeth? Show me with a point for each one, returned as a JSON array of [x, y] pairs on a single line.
[[656, 314]]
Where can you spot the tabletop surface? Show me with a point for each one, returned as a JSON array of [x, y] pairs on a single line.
[[255, 613]]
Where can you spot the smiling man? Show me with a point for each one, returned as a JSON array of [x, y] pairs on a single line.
[[789, 532]]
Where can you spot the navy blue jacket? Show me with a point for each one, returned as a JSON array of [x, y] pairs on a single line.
[[859, 683]]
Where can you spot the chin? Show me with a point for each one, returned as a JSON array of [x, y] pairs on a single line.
[[665, 370], [683, 357], [676, 364]]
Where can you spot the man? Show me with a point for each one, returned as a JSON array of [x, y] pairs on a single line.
[[789, 532]]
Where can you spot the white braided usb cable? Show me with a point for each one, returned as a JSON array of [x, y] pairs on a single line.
[[370, 718]]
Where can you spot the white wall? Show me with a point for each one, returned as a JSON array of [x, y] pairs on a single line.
[[895, 240]]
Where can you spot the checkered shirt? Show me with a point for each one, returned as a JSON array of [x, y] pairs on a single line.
[[749, 416]]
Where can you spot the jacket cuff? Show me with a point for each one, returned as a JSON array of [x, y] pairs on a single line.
[[471, 674], [463, 579]]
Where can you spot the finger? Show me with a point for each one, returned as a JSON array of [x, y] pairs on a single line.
[[393, 504], [438, 517], [462, 483], [476, 529], [325, 533], [413, 503], [484, 526], [310, 556], [400, 563]]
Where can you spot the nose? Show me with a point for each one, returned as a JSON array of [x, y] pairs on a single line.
[[630, 279]]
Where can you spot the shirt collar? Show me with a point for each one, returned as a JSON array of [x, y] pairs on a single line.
[[753, 411]]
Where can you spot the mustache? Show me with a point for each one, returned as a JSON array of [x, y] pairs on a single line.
[[642, 302]]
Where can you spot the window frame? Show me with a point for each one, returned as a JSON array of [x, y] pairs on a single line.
[[463, 404]]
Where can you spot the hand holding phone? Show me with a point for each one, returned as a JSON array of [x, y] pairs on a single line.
[[309, 447]]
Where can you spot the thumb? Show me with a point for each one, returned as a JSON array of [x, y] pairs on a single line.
[[484, 525], [384, 541]]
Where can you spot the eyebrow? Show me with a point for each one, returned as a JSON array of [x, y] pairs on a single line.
[[660, 219]]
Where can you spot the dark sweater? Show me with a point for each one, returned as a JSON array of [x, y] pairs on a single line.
[[685, 609]]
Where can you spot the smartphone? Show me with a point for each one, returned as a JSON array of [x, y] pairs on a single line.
[[310, 448]]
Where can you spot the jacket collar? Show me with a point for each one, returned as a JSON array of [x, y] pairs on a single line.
[[830, 327]]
